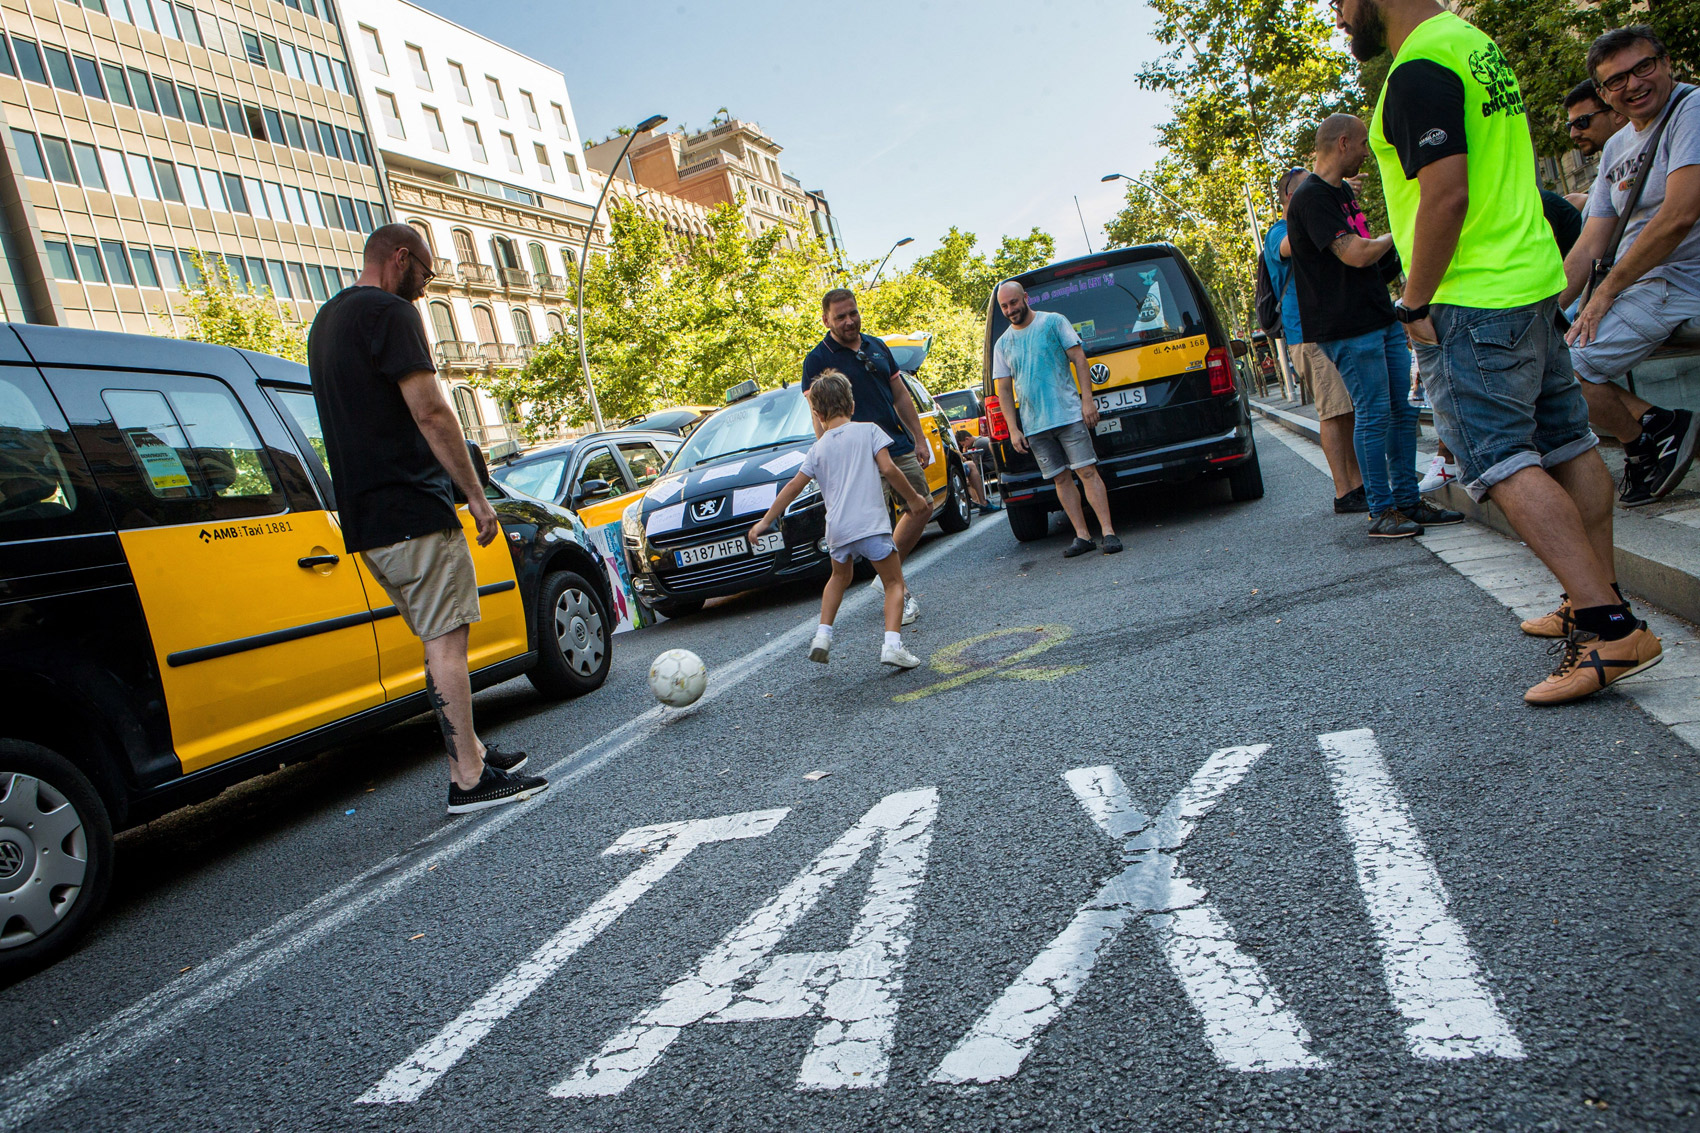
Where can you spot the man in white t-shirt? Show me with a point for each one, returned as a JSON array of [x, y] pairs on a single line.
[[1031, 366]]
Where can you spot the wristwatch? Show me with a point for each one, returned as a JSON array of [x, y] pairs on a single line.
[[1409, 314]]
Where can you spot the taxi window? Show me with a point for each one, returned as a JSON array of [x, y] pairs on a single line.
[[44, 489], [923, 399], [958, 406], [602, 466], [302, 412], [645, 462], [192, 444], [539, 479]]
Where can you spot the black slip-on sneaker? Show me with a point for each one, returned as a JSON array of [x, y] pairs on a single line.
[[1428, 515], [1078, 547], [494, 788], [1112, 545], [1352, 503], [1672, 448], [1394, 524], [504, 760]]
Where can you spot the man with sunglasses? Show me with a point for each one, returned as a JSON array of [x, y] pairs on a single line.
[[396, 454], [1590, 122], [1654, 284]]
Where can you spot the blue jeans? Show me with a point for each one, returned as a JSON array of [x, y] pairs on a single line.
[[1376, 368], [1505, 397]]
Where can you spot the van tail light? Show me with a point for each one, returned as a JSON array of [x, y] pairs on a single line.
[[994, 414], [1219, 365], [985, 426]]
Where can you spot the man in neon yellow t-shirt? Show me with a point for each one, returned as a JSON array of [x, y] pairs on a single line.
[[1452, 139]]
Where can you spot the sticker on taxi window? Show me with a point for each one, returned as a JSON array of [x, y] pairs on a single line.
[[1087, 328], [164, 467]]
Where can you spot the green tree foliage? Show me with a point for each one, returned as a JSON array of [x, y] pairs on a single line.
[[969, 277], [912, 303], [222, 312]]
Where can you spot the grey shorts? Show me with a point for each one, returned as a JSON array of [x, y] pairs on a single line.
[[1063, 449], [874, 548], [431, 580], [1637, 323], [910, 465]]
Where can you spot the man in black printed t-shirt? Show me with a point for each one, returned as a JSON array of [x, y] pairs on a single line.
[[396, 454]]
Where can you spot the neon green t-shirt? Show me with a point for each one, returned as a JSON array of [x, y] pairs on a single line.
[[1450, 91]]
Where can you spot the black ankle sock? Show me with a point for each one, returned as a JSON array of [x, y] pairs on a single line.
[[1610, 622], [1618, 590]]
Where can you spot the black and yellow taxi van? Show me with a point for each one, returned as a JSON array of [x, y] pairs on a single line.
[[178, 611], [1172, 403]]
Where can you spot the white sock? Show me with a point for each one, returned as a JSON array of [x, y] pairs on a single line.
[[824, 631], [893, 640]]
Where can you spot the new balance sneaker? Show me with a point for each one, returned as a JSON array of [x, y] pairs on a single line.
[[1559, 623], [501, 760], [494, 788], [1440, 474], [1428, 515], [911, 609], [898, 657], [820, 647], [1669, 436], [1353, 502], [1587, 664], [1394, 524]]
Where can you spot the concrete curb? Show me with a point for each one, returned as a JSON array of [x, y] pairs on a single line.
[[1651, 563]]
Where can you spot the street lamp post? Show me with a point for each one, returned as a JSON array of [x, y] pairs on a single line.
[[894, 247], [643, 127]]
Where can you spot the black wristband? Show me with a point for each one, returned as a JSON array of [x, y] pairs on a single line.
[[1409, 314]]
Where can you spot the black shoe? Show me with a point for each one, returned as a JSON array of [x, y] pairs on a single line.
[[1112, 545], [1670, 447], [1394, 524], [1638, 463], [1429, 515], [503, 760], [1078, 547], [494, 788], [1352, 502]]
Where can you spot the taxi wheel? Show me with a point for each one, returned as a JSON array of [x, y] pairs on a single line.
[[958, 508], [574, 632], [1027, 522], [55, 855]]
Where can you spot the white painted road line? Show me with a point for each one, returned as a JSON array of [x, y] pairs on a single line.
[[58, 1073], [855, 989], [1431, 971], [668, 846], [1248, 1025]]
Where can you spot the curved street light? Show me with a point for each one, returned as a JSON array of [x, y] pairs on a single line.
[[643, 127], [894, 247], [1148, 185]]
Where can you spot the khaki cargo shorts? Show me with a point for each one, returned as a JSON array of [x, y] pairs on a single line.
[[1327, 390], [910, 465], [431, 580]]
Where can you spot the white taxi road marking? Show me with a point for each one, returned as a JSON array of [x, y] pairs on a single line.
[[667, 844], [1248, 1026], [855, 988], [1431, 970], [60, 1072]]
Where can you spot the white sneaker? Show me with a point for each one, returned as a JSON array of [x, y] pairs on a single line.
[[898, 657], [911, 609], [820, 647], [877, 585], [1439, 475]]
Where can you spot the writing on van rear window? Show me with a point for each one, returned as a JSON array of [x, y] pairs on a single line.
[[1132, 304]]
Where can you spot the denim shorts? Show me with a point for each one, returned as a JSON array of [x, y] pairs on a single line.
[[1063, 448], [1637, 323], [1504, 396]]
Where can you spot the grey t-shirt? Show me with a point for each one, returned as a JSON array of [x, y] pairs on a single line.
[[845, 463], [1620, 159]]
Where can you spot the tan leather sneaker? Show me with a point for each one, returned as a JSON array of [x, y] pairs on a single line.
[[1559, 623], [1588, 664]]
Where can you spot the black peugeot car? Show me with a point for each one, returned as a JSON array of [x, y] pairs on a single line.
[[685, 539]]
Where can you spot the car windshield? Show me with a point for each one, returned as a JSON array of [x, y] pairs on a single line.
[[774, 419], [1131, 304], [539, 479], [957, 405]]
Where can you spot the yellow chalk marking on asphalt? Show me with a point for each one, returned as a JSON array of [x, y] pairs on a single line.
[[959, 669]]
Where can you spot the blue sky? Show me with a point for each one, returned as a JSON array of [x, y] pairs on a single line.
[[911, 115]]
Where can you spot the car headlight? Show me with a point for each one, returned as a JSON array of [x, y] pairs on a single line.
[[810, 498], [631, 525]]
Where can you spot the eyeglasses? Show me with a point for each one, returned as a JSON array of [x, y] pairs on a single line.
[[423, 266], [1582, 121], [1640, 70]]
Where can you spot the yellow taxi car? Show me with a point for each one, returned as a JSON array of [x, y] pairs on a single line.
[[180, 612], [596, 476]]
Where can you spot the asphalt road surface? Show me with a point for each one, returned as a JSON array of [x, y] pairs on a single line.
[[1246, 828]]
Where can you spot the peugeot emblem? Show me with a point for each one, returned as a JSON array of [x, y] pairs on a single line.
[[11, 859], [707, 509], [1100, 374]]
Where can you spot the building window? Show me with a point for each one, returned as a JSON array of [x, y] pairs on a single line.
[[573, 177], [530, 110], [29, 154], [555, 324], [543, 166], [511, 147], [29, 60], [88, 264], [497, 102], [443, 322], [374, 50], [434, 127], [539, 258], [116, 88], [465, 250], [561, 127], [466, 408], [88, 165], [421, 73], [484, 324], [474, 139], [88, 73], [59, 260], [391, 115], [117, 262], [424, 231], [59, 159], [141, 259], [523, 332], [569, 259], [462, 92], [59, 68]]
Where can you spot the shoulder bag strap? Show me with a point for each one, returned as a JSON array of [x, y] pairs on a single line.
[[1603, 265]]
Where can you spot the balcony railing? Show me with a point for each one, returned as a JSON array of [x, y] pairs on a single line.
[[500, 353], [552, 284], [452, 352], [477, 275], [517, 278], [445, 268]]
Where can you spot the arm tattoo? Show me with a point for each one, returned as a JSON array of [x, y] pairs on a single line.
[[1338, 247]]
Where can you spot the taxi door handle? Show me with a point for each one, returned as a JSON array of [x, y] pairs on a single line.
[[311, 561]]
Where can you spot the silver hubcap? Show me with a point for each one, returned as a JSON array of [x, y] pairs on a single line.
[[579, 632], [43, 858], [962, 501]]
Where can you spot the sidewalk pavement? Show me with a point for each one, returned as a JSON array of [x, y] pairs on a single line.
[[1658, 546]]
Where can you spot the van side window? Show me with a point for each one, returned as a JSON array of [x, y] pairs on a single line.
[[192, 444], [44, 490]]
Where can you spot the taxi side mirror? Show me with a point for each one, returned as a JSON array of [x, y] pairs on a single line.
[[1239, 347], [593, 489]]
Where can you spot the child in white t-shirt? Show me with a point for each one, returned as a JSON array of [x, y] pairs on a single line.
[[848, 460]]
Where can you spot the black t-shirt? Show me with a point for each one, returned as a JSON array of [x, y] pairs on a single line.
[[1335, 300], [1564, 218], [389, 485], [870, 383]]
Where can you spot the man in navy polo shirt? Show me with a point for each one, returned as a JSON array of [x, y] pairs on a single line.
[[881, 398]]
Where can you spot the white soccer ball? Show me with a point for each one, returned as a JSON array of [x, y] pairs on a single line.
[[678, 678]]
